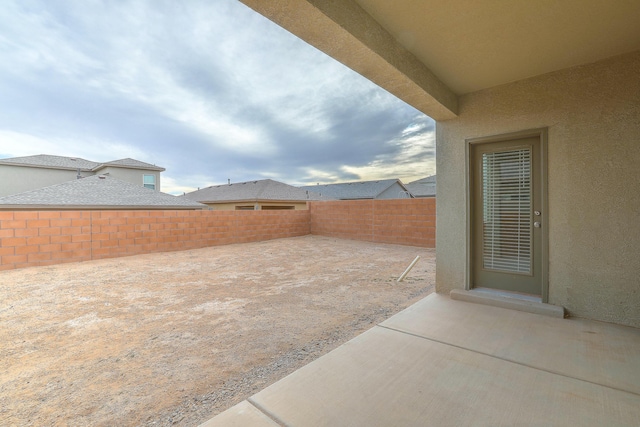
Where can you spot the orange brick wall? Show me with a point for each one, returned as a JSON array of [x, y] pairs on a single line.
[[401, 221], [34, 238]]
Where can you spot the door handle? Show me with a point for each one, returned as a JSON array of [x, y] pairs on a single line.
[[537, 224]]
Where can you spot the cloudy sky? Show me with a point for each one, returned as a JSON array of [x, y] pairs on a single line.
[[209, 90]]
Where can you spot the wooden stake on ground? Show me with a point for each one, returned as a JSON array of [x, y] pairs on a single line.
[[401, 278]]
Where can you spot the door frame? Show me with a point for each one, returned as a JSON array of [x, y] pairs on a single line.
[[542, 134]]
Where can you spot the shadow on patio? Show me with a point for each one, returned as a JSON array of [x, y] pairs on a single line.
[[443, 362]]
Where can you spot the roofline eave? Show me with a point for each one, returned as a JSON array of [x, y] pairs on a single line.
[[25, 165], [218, 202], [347, 33], [106, 165]]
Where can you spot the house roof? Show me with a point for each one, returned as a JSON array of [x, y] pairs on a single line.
[[96, 192], [74, 163], [425, 187], [428, 53], [354, 190], [131, 163], [265, 189], [54, 162]]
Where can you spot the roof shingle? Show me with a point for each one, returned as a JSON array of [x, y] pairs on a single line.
[[74, 163], [266, 189], [49, 161], [425, 187], [131, 163], [353, 190], [97, 191]]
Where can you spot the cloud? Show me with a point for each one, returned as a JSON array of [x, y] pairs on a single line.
[[15, 144], [208, 90]]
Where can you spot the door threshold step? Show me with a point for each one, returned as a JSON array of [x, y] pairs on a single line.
[[503, 301]]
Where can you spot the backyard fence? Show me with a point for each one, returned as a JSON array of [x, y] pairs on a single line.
[[36, 238], [30, 238], [400, 221]]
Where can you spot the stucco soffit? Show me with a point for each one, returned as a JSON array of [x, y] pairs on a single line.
[[344, 31]]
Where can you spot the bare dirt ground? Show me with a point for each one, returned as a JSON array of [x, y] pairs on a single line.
[[175, 338]]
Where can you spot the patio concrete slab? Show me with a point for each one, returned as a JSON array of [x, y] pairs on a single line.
[[384, 378], [244, 414], [451, 363], [598, 352]]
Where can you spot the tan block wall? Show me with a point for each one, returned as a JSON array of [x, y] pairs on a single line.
[[401, 221], [36, 238]]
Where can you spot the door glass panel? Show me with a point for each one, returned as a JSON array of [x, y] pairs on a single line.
[[506, 210]]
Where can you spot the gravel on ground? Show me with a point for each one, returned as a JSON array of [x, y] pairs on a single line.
[[172, 339]]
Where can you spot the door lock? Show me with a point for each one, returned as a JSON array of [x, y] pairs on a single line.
[[537, 213], [537, 224]]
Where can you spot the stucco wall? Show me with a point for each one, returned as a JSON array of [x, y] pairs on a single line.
[[394, 192], [17, 179], [133, 176], [593, 116], [232, 206]]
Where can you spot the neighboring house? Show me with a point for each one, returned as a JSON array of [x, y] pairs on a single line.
[[425, 187], [382, 189], [265, 194], [95, 192], [19, 174], [552, 120]]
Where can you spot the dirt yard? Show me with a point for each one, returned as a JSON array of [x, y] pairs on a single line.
[[175, 338]]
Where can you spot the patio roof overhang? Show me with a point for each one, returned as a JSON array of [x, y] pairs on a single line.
[[427, 53]]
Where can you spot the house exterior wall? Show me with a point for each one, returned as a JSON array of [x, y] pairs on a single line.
[[400, 221], [133, 176], [393, 192], [592, 113], [17, 179], [232, 206]]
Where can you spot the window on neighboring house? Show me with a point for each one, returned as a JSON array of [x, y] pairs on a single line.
[[277, 208], [149, 181]]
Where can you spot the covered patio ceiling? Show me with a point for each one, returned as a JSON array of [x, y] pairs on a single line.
[[428, 52]]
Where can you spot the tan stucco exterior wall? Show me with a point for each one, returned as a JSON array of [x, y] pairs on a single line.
[[394, 192], [17, 179], [593, 117], [232, 206], [133, 176]]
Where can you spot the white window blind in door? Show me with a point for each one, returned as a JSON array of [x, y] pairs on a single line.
[[506, 195]]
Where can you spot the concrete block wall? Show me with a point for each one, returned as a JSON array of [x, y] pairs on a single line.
[[400, 221], [36, 238]]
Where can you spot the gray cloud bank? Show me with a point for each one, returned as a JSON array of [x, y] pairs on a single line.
[[208, 90]]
